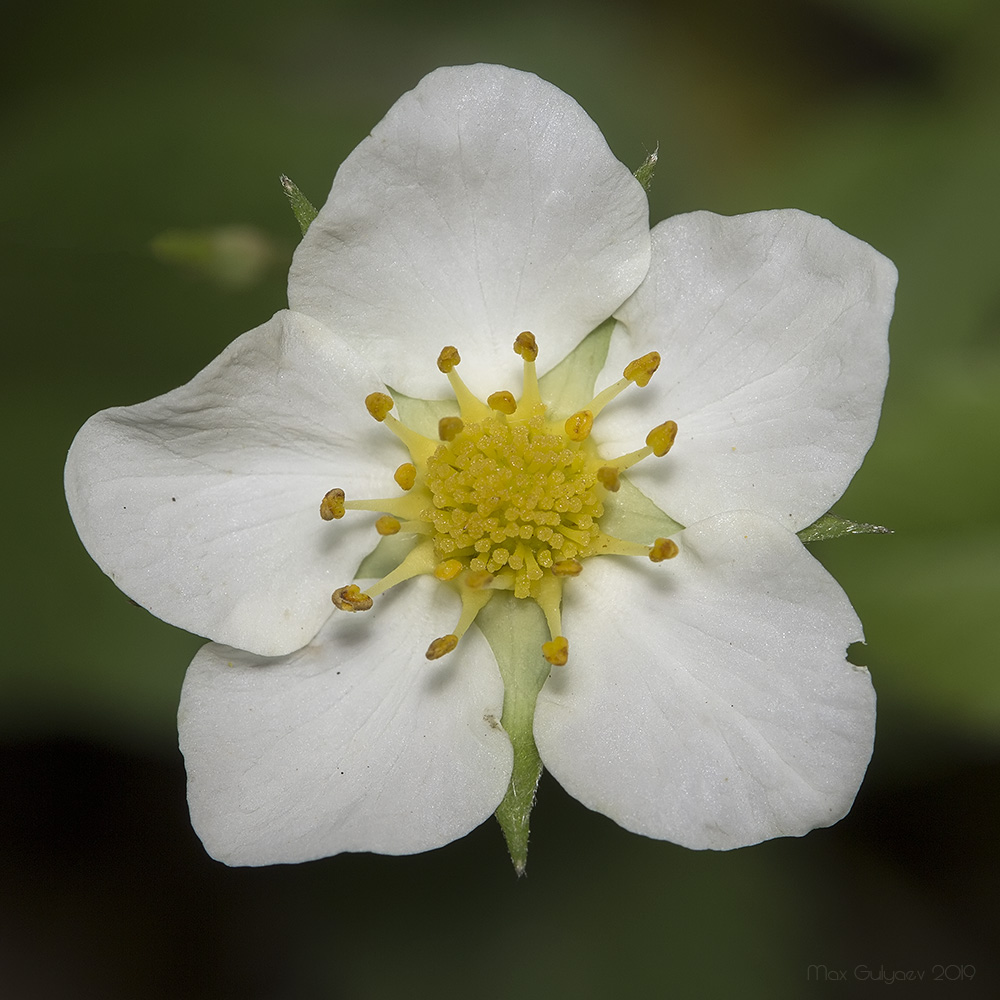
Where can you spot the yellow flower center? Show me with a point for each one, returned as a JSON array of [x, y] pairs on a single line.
[[505, 499], [513, 495]]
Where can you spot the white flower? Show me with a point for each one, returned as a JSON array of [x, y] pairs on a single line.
[[707, 700]]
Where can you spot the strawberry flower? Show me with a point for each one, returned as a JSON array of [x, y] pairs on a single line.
[[584, 555]]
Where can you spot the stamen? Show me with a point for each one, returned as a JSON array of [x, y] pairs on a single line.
[[658, 442], [579, 426], [449, 428], [607, 476], [379, 405], [331, 508], [478, 579], [641, 370], [441, 647], [420, 448], [567, 567], [661, 439], [448, 569], [407, 507], [502, 401], [663, 548], [420, 559], [503, 504], [526, 348], [416, 527], [475, 596], [405, 476], [472, 408], [350, 598], [548, 594], [609, 545], [556, 651], [447, 359]]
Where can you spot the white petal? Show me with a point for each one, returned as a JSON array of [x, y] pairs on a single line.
[[354, 743], [714, 707], [773, 332], [485, 203], [203, 504]]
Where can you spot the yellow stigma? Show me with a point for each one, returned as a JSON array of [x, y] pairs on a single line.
[[508, 498]]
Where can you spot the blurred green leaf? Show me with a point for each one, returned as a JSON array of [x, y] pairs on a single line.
[[233, 257]]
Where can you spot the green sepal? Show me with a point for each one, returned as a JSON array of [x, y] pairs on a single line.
[[572, 380], [515, 630], [631, 515], [644, 175], [302, 208], [390, 551], [830, 526], [422, 415]]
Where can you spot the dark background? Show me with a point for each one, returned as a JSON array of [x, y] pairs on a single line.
[[121, 124]]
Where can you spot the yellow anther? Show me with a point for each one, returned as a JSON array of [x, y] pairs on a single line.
[[387, 525], [448, 569], [503, 401], [405, 476], [442, 646], [641, 370], [556, 651], [525, 346], [449, 428], [661, 439], [448, 358], [579, 425], [331, 507], [478, 579], [379, 405], [350, 598], [607, 476], [663, 548], [567, 567]]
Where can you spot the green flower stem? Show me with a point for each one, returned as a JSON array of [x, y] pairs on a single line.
[[515, 629]]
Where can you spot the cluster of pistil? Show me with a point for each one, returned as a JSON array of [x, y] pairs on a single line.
[[505, 499]]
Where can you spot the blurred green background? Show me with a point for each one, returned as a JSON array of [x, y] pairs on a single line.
[[125, 122]]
